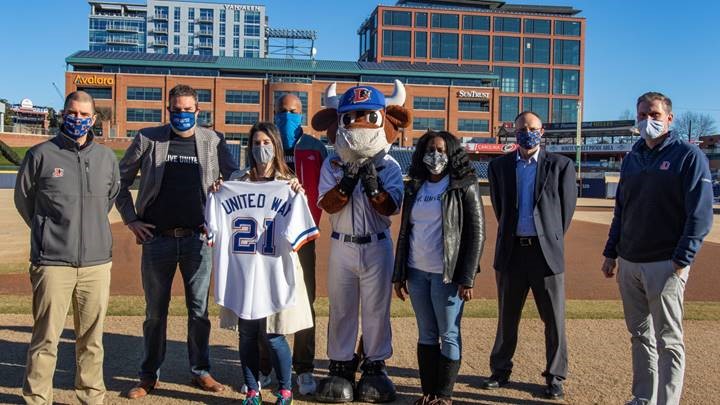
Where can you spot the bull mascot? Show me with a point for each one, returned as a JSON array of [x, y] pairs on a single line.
[[360, 187]]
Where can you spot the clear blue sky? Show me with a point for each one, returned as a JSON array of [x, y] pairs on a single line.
[[632, 46]]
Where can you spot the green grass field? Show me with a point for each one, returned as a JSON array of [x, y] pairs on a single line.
[[480, 308], [22, 150]]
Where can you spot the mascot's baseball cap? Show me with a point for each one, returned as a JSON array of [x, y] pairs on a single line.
[[361, 98]]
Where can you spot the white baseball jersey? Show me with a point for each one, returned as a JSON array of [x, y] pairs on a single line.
[[256, 228]]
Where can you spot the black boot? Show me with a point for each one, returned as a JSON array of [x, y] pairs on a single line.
[[447, 375], [339, 386], [375, 385], [428, 357]]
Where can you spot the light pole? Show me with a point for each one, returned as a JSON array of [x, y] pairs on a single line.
[[578, 143]]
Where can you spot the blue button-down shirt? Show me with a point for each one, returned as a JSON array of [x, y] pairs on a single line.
[[525, 172]]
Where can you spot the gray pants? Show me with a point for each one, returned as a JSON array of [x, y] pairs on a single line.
[[652, 296]]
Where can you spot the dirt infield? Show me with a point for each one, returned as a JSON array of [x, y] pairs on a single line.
[[599, 363], [585, 242]]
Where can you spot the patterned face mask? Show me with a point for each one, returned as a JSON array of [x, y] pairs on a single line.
[[76, 127], [528, 139], [436, 162], [182, 120]]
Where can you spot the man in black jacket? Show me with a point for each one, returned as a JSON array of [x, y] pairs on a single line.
[[533, 194], [65, 188]]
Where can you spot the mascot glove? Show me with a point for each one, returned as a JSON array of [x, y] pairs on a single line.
[[351, 176], [370, 181]]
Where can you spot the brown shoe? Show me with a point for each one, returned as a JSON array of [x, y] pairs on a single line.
[[142, 388], [207, 383]]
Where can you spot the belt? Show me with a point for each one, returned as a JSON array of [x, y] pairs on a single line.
[[527, 241], [177, 232], [358, 239]]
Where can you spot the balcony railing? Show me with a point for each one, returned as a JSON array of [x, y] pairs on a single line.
[[204, 19], [159, 17], [159, 30], [159, 43], [122, 41], [115, 27], [206, 33]]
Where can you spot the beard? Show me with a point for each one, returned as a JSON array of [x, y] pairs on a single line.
[[360, 144]]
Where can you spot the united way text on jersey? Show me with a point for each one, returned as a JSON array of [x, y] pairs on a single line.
[[254, 200]]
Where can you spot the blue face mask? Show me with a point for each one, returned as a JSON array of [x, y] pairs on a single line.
[[528, 139], [182, 120], [290, 128], [76, 127]]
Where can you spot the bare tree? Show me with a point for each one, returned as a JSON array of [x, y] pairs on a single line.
[[627, 114], [692, 125]]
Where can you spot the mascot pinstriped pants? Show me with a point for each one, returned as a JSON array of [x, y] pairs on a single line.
[[360, 277]]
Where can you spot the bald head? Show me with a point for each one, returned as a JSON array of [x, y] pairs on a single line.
[[288, 103]]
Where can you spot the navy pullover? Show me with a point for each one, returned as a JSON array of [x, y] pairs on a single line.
[[663, 206]]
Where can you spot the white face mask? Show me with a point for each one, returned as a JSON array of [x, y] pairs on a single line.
[[651, 129]]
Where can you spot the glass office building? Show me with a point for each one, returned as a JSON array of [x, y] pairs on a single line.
[[179, 27], [538, 51]]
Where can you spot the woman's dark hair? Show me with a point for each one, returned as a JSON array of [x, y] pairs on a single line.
[[278, 162], [458, 160]]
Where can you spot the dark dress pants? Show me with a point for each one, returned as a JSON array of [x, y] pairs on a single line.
[[527, 271]]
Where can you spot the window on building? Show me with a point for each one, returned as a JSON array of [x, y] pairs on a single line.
[[420, 44], [236, 16], [564, 110], [236, 43], [206, 14], [566, 81], [421, 20], [205, 118], [474, 105], [176, 26], [204, 95], [176, 13], [444, 46], [540, 106], [451, 21], [507, 24], [252, 17], [161, 12], [191, 28], [241, 117], [236, 30], [398, 18], [429, 103], [567, 52], [242, 97], [537, 50], [144, 93], [509, 108], [222, 42], [176, 40], [144, 115], [506, 49], [222, 15], [191, 13], [476, 22], [222, 29], [176, 51], [476, 47], [536, 80], [130, 133], [302, 95], [425, 123], [98, 93], [473, 125], [252, 30], [568, 28], [396, 43], [509, 79], [537, 26]]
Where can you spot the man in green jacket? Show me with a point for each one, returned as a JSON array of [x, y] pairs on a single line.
[[65, 188]]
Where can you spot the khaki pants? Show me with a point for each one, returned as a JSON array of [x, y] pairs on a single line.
[[54, 288]]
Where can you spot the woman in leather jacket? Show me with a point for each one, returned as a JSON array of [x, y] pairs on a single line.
[[438, 254]]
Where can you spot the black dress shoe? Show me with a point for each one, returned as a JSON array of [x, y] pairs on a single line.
[[554, 391], [494, 382]]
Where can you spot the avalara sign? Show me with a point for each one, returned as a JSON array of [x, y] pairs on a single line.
[[472, 94], [94, 80]]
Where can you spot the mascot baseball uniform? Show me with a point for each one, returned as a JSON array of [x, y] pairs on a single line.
[[360, 188]]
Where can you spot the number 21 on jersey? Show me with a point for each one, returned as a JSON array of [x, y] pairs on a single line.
[[246, 238]]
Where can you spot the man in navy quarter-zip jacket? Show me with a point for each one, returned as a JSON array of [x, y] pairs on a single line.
[[663, 210]]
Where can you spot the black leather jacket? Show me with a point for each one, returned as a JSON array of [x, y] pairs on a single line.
[[463, 231]]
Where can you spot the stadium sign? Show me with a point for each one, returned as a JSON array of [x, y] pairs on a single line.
[[490, 147], [473, 94], [593, 148], [94, 80]]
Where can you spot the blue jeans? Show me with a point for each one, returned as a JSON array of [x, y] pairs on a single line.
[[161, 256], [280, 354], [438, 310]]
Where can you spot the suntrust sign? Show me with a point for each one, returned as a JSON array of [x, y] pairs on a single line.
[[473, 94], [94, 80]]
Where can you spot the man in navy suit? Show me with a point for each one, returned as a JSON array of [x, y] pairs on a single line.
[[533, 194]]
